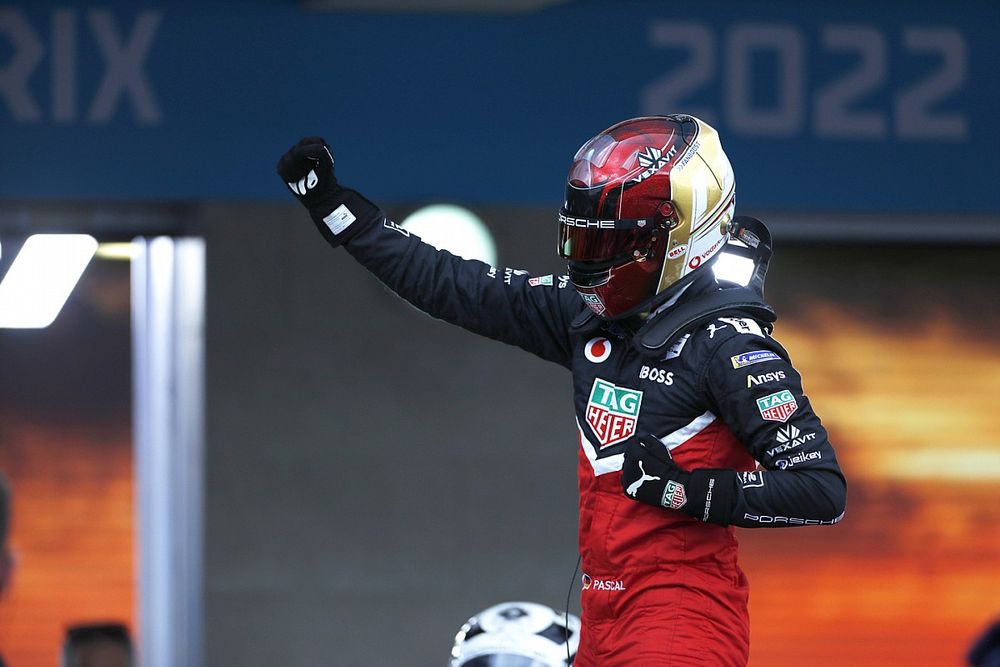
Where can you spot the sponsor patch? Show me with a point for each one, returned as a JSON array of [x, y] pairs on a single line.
[[802, 457], [540, 280], [677, 251], [777, 407], [593, 302], [696, 261], [744, 325], [508, 274], [790, 520], [340, 219], [389, 224], [708, 500], [675, 350], [753, 380], [789, 437], [589, 583], [688, 154], [752, 479], [755, 357], [652, 160], [597, 350], [656, 375], [787, 433], [712, 328], [587, 223], [612, 411], [674, 496]]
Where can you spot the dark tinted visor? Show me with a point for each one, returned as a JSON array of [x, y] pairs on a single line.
[[601, 240]]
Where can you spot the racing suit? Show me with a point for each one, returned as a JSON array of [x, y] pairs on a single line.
[[659, 587]]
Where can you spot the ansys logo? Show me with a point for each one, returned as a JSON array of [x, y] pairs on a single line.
[[612, 411]]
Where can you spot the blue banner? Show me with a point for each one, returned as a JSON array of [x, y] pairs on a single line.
[[847, 106]]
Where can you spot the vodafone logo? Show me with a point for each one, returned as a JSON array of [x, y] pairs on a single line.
[[696, 261], [597, 350]]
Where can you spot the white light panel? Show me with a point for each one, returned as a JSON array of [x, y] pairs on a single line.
[[733, 268], [455, 229], [41, 278]]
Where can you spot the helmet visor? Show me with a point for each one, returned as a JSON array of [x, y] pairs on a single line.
[[601, 240]]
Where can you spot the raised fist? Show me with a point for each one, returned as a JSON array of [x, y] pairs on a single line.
[[307, 170]]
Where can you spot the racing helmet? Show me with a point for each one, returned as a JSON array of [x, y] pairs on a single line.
[[517, 634], [648, 206]]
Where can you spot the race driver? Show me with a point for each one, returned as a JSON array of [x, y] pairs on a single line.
[[690, 416]]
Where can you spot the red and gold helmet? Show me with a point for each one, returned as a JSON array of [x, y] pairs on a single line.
[[648, 203]]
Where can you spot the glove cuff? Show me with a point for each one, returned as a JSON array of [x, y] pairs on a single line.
[[714, 489], [343, 216]]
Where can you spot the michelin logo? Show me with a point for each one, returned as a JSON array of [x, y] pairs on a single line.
[[750, 358]]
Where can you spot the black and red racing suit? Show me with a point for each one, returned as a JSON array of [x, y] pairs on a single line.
[[659, 587]]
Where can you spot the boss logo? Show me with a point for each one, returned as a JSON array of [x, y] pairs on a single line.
[[656, 375]]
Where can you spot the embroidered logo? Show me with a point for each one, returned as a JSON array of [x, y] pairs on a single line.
[[593, 302], [612, 411], [597, 350], [748, 358], [777, 407], [674, 496]]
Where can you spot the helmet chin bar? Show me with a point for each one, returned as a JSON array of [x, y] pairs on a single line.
[[588, 284], [644, 309], [588, 278]]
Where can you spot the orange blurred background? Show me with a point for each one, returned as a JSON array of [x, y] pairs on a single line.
[[72, 533], [911, 575]]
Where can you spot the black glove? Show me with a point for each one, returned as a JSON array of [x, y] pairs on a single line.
[[307, 170], [650, 475]]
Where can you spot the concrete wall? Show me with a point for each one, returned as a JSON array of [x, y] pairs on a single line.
[[374, 476]]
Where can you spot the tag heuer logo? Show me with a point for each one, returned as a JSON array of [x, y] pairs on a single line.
[[674, 496], [593, 302], [540, 280], [612, 411], [777, 407]]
